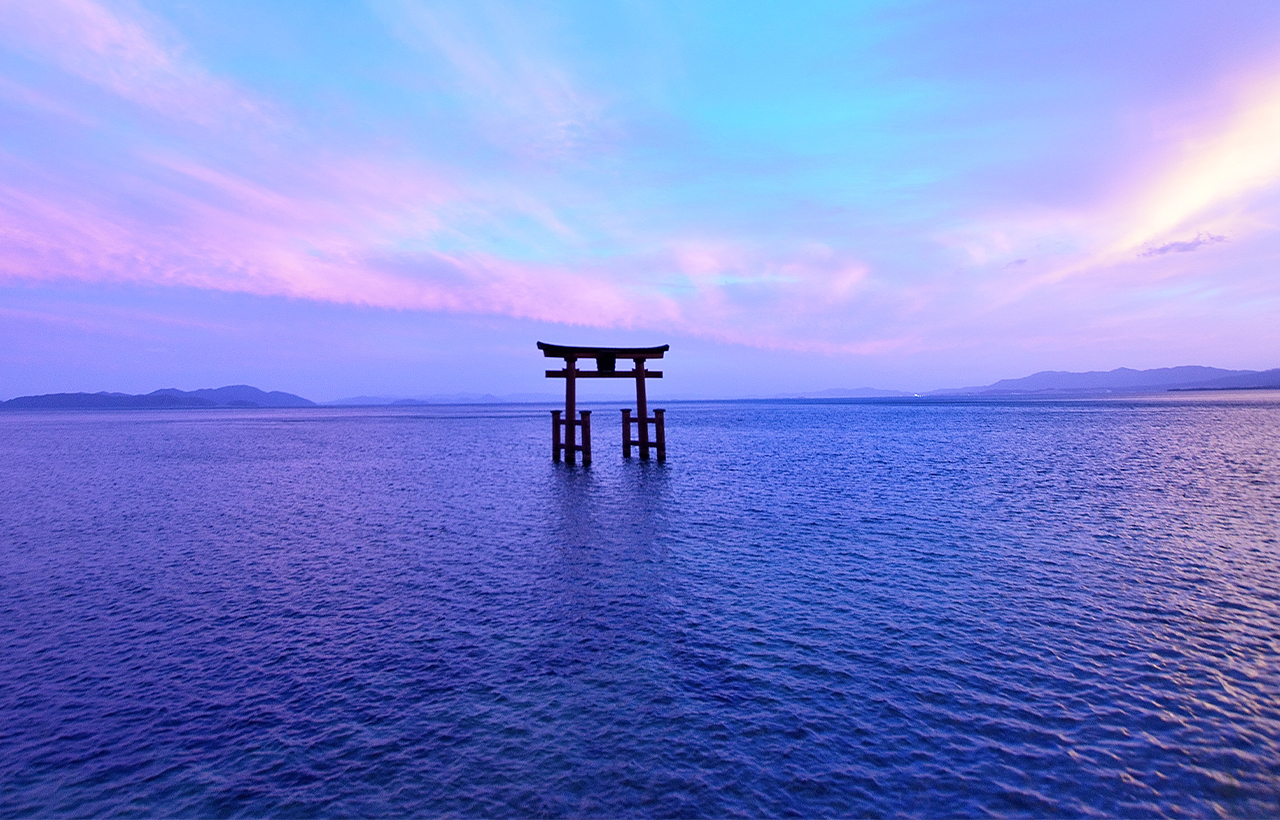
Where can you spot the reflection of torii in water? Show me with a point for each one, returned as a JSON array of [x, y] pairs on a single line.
[[606, 368]]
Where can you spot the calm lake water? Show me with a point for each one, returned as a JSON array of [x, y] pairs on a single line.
[[817, 609]]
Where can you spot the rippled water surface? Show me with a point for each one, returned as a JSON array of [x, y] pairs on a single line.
[[875, 608]]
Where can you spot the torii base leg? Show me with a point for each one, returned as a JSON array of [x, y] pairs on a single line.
[[564, 437], [660, 431], [642, 441]]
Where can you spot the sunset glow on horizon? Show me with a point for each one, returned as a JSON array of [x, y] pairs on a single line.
[[399, 197]]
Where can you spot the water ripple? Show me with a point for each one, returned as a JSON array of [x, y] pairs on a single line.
[[862, 608]]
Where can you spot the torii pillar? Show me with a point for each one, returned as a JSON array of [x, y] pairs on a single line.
[[564, 438]]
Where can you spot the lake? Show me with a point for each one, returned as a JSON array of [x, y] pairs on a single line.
[[930, 608]]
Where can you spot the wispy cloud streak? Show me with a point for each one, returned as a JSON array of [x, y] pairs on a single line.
[[123, 54], [1186, 246], [498, 176]]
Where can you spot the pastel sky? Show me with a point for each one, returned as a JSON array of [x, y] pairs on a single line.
[[398, 197]]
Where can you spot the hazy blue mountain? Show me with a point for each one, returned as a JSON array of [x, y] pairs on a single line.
[[241, 395], [101, 401], [361, 401], [1120, 380], [848, 393], [1260, 379], [238, 395], [445, 398]]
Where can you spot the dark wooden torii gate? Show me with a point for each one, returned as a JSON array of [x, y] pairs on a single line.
[[606, 368]]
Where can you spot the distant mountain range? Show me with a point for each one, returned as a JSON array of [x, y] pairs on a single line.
[[1046, 383], [846, 393], [1124, 380], [236, 395], [443, 398]]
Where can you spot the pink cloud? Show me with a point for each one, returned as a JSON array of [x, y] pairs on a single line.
[[43, 103], [368, 230], [252, 239], [125, 56], [258, 209]]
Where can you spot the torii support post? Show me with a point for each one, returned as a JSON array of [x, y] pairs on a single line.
[[606, 368], [660, 427], [562, 437], [659, 442]]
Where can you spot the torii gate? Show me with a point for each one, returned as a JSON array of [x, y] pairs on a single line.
[[606, 368]]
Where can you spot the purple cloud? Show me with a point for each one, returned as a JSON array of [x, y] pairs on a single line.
[[1186, 246]]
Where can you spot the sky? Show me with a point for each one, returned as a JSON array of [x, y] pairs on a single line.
[[399, 198]]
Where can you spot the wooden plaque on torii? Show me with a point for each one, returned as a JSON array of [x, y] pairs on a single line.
[[564, 438]]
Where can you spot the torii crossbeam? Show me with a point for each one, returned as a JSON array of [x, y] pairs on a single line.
[[606, 368]]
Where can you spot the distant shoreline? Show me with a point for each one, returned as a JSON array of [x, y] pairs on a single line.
[[1048, 384], [969, 398], [1221, 389]]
